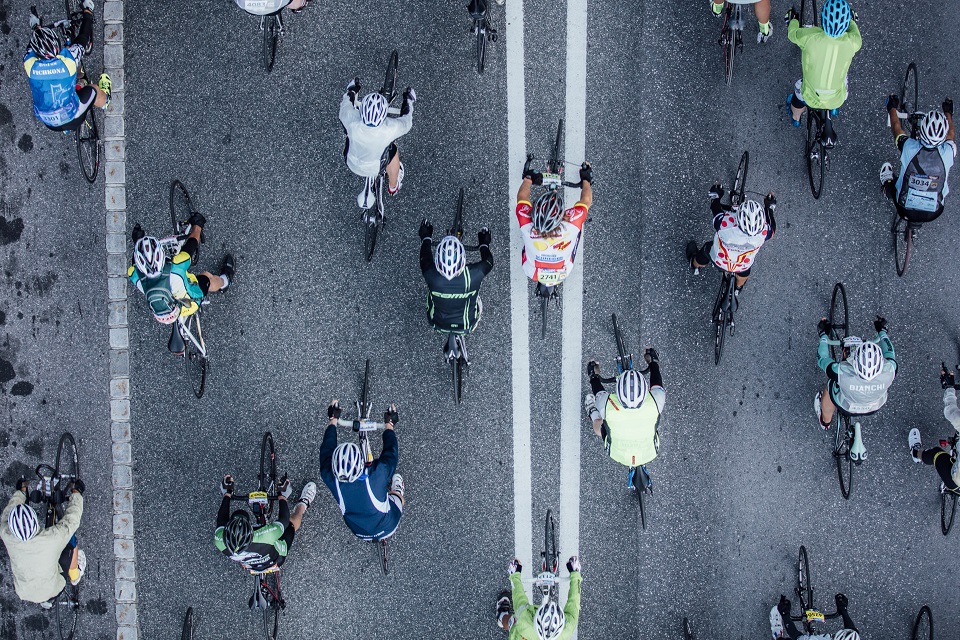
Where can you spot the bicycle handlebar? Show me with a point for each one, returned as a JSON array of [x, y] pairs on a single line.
[[839, 343], [467, 247], [361, 425]]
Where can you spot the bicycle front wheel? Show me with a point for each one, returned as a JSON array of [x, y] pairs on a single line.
[[687, 631], [902, 243], [456, 230], [88, 146], [481, 45], [809, 15], [910, 99], [187, 633], [720, 318], [68, 459], [267, 479], [555, 165], [271, 36], [804, 588], [181, 207], [948, 509], [365, 393], [841, 453], [815, 155], [197, 366], [923, 625], [389, 89], [68, 611], [838, 318], [456, 368], [740, 183], [621, 344], [551, 552]]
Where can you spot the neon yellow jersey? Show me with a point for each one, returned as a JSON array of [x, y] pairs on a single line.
[[826, 62]]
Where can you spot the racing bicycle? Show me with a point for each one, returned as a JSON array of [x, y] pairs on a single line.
[[809, 616], [479, 14], [923, 625], [267, 596], [948, 498], [726, 304], [547, 582], [363, 426], [271, 25], [53, 491], [731, 37]]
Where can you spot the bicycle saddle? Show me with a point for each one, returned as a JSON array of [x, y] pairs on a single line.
[[258, 600], [176, 344], [829, 135], [477, 8]]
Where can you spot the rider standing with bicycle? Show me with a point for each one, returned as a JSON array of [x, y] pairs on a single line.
[[826, 57], [925, 163], [171, 290], [370, 498], [42, 561], [453, 298], [52, 64], [527, 622], [627, 420], [858, 384], [740, 232], [947, 467], [551, 234], [371, 135], [781, 613]]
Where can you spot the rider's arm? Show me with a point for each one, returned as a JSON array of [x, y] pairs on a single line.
[[517, 593], [426, 255], [825, 360], [523, 194], [283, 512], [770, 220], [486, 259], [390, 455], [70, 522], [795, 32], [223, 514], [571, 610], [657, 391], [950, 130], [896, 129], [327, 446], [348, 112], [586, 194], [950, 409], [886, 346], [853, 33]]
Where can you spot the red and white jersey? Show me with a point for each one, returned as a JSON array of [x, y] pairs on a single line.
[[549, 259], [732, 249]]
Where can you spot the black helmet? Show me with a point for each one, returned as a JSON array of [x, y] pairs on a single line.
[[238, 533]]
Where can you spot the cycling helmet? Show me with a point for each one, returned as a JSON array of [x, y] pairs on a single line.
[[149, 257], [238, 533], [451, 258], [548, 212], [836, 17], [751, 218], [549, 621], [933, 129], [868, 360], [373, 109], [347, 462], [846, 634], [47, 42], [23, 522], [631, 388]]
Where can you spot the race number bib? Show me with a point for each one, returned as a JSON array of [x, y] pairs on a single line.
[[920, 200], [551, 277]]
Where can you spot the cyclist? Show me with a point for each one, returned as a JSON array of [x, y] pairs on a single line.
[[858, 384], [42, 560], [921, 187], [453, 298], [269, 7], [740, 232], [939, 457], [525, 621], [826, 56], [371, 135], [260, 548], [551, 234], [370, 497], [171, 290], [52, 64], [760, 7], [780, 614], [627, 420]]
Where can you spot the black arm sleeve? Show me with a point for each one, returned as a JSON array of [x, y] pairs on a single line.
[[426, 256], [223, 515], [772, 221], [847, 622], [190, 246], [716, 207], [486, 259], [283, 513], [655, 379]]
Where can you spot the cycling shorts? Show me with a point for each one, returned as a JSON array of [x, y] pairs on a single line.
[[703, 257], [943, 463], [66, 558], [834, 391], [87, 95], [288, 535], [204, 283], [388, 155]]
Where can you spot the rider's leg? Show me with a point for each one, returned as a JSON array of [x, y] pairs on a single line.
[[741, 280], [762, 11], [940, 460], [396, 490], [717, 7], [307, 496], [393, 173], [827, 408], [701, 257], [797, 105], [296, 5]]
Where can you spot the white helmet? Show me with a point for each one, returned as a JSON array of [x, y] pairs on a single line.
[[933, 129], [868, 360], [373, 109], [549, 621], [631, 388], [347, 462], [750, 217], [846, 634], [149, 257], [451, 258], [23, 522]]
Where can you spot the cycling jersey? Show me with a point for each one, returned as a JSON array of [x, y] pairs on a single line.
[[454, 305], [366, 145], [523, 628], [922, 183], [732, 249], [270, 544], [952, 413], [848, 391], [183, 285], [35, 564], [367, 509], [53, 84], [262, 7], [826, 62], [630, 435], [549, 259]]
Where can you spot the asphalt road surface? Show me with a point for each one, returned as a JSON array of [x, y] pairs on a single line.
[[744, 476]]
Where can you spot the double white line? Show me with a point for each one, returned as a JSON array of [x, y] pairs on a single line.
[[575, 119]]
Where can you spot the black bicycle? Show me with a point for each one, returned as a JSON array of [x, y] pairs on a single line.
[[725, 304], [923, 625], [55, 487], [731, 38], [547, 582], [948, 498], [271, 25], [809, 616], [481, 28], [821, 137], [267, 597]]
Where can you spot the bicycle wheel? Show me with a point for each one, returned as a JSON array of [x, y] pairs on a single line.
[[197, 367], [271, 615], [687, 631], [456, 229], [740, 183], [804, 588], [364, 393], [621, 345], [68, 459], [841, 454], [814, 151], [73, 8], [639, 486], [838, 319], [720, 319], [187, 633], [457, 371], [809, 16], [267, 479], [372, 221], [181, 206], [948, 508], [923, 625], [910, 99], [551, 552], [729, 53], [389, 89], [271, 36], [68, 611], [902, 243], [384, 559], [555, 164], [481, 44], [88, 146]]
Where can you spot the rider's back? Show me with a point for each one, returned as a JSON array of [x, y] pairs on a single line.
[[452, 304], [550, 258], [631, 433], [367, 144], [826, 62], [52, 82]]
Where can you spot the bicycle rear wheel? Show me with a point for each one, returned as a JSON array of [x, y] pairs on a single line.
[[838, 319], [721, 317], [687, 631], [384, 557], [902, 243], [267, 479], [544, 299], [740, 183], [551, 552], [389, 89], [271, 615], [68, 611], [640, 487], [456, 368], [948, 509], [481, 29], [197, 367], [923, 625], [364, 393], [187, 633], [815, 155], [910, 99], [271, 36], [841, 453], [555, 164], [371, 231], [804, 589], [88, 146]]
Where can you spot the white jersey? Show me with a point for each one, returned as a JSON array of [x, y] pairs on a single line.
[[367, 144], [732, 249]]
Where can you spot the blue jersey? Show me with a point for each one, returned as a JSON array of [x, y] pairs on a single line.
[[53, 83]]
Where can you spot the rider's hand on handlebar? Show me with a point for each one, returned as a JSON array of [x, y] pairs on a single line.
[[22, 484], [947, 106], [784, 607], [534, 176], [841, 601], [226, 485], [484, 237], [651, 356], [770, 201], [893, 102], [716, 191], [137, 233], [197, 219], [514, 566], [391, 418], [78, 486], [586, 173], [354, 86], [573, 564], [880, 324], [791, 15], [823, 327], [426, 230], [333, 411]]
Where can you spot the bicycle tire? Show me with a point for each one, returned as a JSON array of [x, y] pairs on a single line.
[[621, 345], [271, 37], [481, 45], [456, 230], [555, 164], [910, 99], [187, 633], [271, 615], [948, 509], [68, 611], [365, 392], [923, 625], [841, 454], [181, 206], [815, 155], [687, 631], [544, 299], [67, 465], [730, 55], [551, 552], [88, 146], [197, 366], [640, 489], [902, 244], [838, 330], [721, 317], [804, 589], [73, 8], [371, 232], [384, 557], [267, 478], [740, 182], [813, 15], [455, 367], [389, 89]]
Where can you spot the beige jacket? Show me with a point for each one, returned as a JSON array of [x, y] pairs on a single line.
[[35, 564]]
